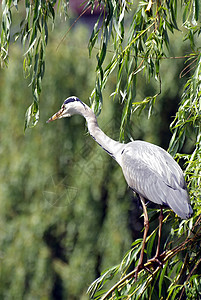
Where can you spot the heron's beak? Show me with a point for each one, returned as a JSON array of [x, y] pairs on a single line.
[[56, 116]]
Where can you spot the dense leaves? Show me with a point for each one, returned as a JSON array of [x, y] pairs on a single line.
[[142, 48], [34, 37]]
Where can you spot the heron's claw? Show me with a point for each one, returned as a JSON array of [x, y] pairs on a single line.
[[151, 262], [155, 260]]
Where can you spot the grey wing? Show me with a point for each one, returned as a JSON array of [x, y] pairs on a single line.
[[152, 172]]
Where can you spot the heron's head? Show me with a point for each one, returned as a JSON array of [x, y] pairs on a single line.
[[71, 106]]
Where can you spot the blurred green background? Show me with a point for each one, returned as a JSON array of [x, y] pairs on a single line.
[[66, 213]]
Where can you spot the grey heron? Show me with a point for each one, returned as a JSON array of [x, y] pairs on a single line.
[[149, 170]]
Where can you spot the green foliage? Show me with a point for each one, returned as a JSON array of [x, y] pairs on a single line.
[[34, 37], [142, 48], [5, 32], [187, 123]]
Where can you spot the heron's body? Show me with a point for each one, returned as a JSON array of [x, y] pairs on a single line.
[[152, 173], [149, 170]]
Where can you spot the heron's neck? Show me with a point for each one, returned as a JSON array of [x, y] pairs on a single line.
[[109, 145]]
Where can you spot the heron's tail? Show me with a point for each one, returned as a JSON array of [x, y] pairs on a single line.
[[179, 202]]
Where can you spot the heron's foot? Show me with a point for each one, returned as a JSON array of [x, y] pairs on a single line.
[[155, 261]]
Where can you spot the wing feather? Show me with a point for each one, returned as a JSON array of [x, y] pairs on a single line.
[[152, 172]]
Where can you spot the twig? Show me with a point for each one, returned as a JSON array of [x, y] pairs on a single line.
[[63, 38], [190, 274], [182, 74]]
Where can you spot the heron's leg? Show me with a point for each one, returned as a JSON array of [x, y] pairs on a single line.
[[146, 228], [161, 217], [155, 259]]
